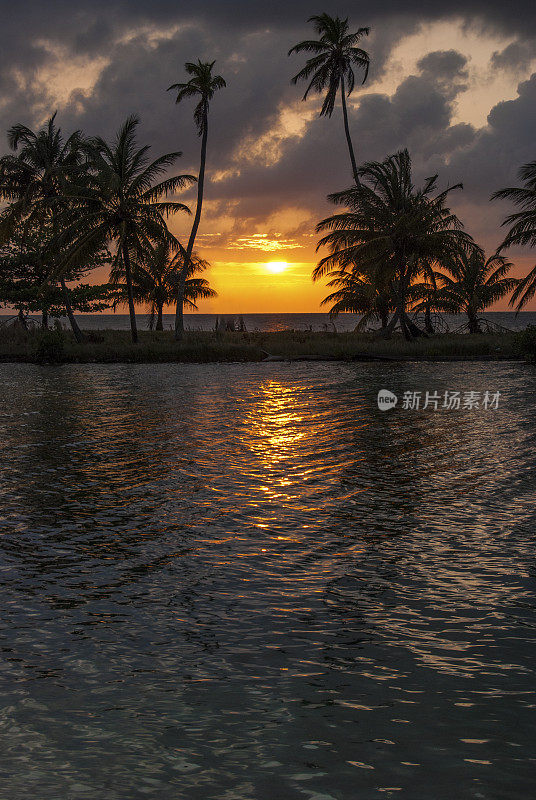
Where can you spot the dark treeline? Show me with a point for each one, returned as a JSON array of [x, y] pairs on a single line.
[[396, 252], [76, 204]]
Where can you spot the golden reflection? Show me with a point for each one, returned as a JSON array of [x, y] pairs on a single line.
[[276, 430]]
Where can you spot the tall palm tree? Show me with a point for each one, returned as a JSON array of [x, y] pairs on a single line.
[[522, 227], [121, 201], [391, 229], [474, 283], [34, 181], [332, 65], [155, 278], [202, 85]]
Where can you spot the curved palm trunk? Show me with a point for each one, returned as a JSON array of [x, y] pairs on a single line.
[[78, 335], [384, 317], [408, 328], [131, 307], [347, 132], [399, 316], [159, 320], [428, 327], [474, 327], [179, 313], [404, 326], [387, 332], [413, 331], [22, 319]]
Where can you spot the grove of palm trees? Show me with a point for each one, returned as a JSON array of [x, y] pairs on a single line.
[[394, 252]]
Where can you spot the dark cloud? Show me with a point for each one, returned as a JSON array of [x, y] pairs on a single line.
[[515, 57], [417, 116], [499, 149], [492, 161], [144, 46], [64, 16], [446, 69]]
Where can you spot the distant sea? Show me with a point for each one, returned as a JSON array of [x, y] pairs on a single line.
[[279, 322]]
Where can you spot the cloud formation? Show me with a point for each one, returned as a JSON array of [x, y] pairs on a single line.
[[272, 161]]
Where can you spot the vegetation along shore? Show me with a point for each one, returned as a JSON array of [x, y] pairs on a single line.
[[112, 346]]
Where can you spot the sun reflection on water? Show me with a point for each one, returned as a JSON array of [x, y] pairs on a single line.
[[275, 430]]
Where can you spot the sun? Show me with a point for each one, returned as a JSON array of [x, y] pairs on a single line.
[[276, 266]]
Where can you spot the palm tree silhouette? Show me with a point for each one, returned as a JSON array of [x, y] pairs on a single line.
[[391, 231], [35, 181], [121, 201], [203, 85], [357, 293], [155, 278], [522, 227], [474, 283], [332, 66]]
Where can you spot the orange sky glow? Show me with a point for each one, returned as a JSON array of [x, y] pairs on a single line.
[[239, 248]]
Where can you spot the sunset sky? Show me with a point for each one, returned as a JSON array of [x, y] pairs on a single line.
[[454, 82]]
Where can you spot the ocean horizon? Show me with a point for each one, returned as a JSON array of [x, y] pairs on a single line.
[[276, 321]]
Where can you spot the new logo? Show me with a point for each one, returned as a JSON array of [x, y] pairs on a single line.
[[386, 400]]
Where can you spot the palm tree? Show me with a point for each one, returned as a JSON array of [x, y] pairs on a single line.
[[121, 201], [332, 66], [391, 230], [359, 294], [422, 297], [34, 181], [155, 278], [474, 283], [203, 85], [523, 227]]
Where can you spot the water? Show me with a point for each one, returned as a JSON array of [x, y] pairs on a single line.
[[245, 581], [279, 322]]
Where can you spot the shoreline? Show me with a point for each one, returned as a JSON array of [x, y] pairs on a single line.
[[305, 360], [115, 347]]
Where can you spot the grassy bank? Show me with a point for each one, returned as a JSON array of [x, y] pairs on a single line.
[[206, 346]]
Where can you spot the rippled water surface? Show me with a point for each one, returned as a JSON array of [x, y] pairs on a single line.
[[245, 581]]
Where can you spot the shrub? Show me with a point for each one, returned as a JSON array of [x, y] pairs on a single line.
[[49, 347], [526, 342]]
